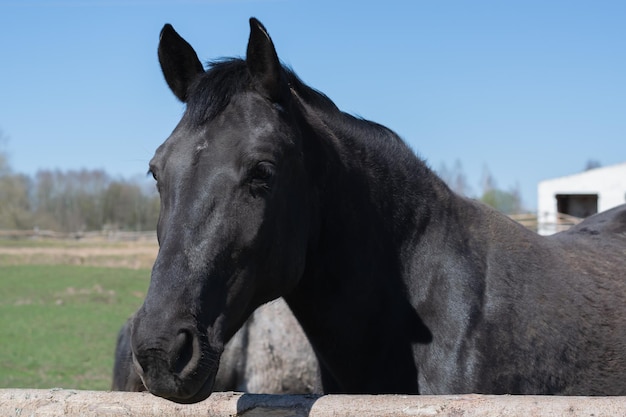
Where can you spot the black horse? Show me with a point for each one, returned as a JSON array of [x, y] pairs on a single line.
[[268, 190]]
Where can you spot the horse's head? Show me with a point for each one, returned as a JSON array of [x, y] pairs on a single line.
[[235, 213]]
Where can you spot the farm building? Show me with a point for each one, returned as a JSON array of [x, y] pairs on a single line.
[[563, 200]]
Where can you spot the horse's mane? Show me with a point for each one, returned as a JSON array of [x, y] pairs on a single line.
[[212, 92], [228, 77]]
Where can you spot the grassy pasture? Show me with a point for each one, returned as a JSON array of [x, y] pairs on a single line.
[[59, 319]]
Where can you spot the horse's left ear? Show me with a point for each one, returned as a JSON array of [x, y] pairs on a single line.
[[179, 62], [263, 62]]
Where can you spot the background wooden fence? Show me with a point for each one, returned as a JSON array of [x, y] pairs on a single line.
[[528, 220], [110, 235]]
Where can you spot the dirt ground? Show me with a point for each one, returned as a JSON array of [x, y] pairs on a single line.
[[136, 254]]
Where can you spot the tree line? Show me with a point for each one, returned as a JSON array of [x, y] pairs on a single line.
[[505, 201], [75, 201], [91, 200]]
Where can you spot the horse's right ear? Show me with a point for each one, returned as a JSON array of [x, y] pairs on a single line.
[[262, 61], [179, 62]]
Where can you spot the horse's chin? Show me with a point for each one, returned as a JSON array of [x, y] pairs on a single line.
[[202, 394], [182, 389]]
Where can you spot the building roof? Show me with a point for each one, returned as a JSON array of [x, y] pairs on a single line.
[[600, 172]]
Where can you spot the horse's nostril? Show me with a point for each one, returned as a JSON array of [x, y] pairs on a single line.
[[183, 351]]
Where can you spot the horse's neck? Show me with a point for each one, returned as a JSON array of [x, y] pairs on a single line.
[[376, 201], [396, 258]]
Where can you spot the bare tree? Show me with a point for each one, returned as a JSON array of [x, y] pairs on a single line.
[[455, 178], [14, 193], [508, 202], [73, 201]]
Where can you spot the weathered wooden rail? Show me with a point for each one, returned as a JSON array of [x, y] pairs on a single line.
[[56, 402], [103, 235]]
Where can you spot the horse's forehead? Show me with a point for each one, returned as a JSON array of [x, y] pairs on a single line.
[[249, 110], [248, 124]]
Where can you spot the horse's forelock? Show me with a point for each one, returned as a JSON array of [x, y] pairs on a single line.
[[214, 90]]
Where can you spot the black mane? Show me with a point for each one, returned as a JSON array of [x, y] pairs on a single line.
[[212, 92], [228, 77]]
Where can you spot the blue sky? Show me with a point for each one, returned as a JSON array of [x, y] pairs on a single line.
[[529, 89]]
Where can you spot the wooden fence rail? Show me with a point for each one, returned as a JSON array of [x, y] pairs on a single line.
[[32, 402], [111, 235]]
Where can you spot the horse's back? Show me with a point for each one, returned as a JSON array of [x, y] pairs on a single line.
[[597, 246], [609, 225]]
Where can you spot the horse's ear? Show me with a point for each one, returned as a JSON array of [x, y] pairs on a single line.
[[179, 62], [263, 62]]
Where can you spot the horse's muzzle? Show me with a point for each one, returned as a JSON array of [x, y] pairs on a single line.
[[174, 365]]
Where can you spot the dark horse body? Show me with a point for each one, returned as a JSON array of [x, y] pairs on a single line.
[[268, 190]]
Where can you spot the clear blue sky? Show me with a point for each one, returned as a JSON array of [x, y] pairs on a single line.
[[530, 89]]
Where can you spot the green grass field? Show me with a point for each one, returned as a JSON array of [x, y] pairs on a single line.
[[59, 323]]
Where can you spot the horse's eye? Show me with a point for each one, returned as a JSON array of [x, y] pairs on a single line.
[[156, 179], [263, 171], [261, 177]]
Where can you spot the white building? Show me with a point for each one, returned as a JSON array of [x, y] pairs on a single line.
[[579, 195]]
